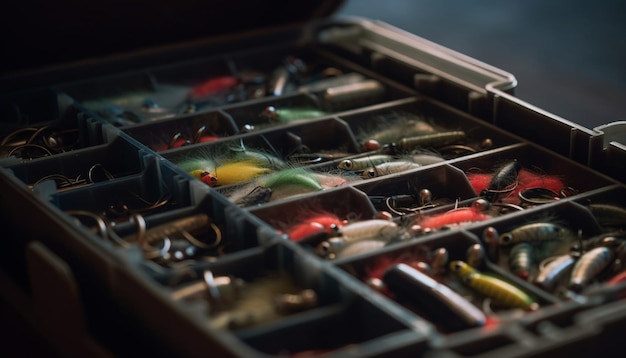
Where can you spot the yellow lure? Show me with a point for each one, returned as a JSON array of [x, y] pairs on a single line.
[[238, 172], [502, 293]]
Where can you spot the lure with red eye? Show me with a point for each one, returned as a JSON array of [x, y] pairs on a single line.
[[214, 86]]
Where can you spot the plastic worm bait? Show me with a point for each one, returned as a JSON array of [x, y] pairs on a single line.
[[430, 140], [589, 266], [437, 301], [388, 168], [521, 259], [358, 164], [554, 271], [533, 232], [499, 291]]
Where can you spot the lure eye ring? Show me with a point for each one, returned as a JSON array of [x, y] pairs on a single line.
[[346, 164], [506, 238]]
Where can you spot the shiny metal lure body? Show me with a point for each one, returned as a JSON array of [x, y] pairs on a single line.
[[388, 168], [358, 164], [589, 266]]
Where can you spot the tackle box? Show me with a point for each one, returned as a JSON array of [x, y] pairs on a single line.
[[176, 183]]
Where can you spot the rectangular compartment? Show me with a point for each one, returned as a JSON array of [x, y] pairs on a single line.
[[127, 98], [454, 305], [158, 188], [253, 307], [44, 122], [82, 167], [183, 130], [540, 169], [420, 126], [542, 245]]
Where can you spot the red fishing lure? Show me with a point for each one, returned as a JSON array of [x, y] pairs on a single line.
[[214, 85]]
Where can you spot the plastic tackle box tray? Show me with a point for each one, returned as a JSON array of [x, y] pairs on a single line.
[[340, 189]]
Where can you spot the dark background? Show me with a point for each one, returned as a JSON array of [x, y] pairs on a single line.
[[569, 56]]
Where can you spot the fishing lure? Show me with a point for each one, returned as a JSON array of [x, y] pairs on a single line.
[[452, 217], [502, 180], [359, 164], [262, 158], [319, 223], [553, 271], [284, 115], [373, 229], [214, 86], [197, 165], [502, 293], [359, 247], [475, 255], [352, 94], [438, 139], [491, 239], [433, 299], [514, 184], [293, 177], [589, 266], [389, 131], [439, 260], [534, 232], [178, 140], [238, 172], [257, 196], [425, 158], [388, 168], [204, 177], [521, 260]]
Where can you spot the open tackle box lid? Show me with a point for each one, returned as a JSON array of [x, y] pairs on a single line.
[[42, 34]]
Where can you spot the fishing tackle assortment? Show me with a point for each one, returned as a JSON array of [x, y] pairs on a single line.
[[271, 198]]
